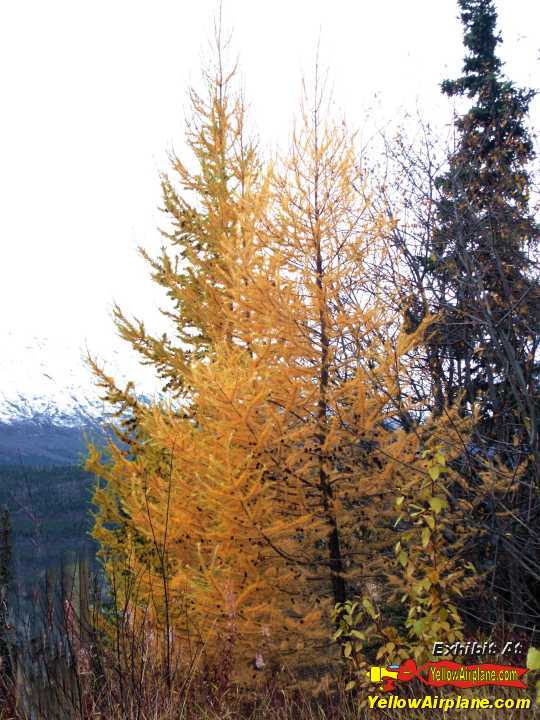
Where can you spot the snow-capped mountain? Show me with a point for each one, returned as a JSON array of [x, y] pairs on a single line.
[[49, 399]]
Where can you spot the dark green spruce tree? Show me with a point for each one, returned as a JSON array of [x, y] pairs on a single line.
[[485, 286]]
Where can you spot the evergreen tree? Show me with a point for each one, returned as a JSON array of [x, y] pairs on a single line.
[[486, 293]]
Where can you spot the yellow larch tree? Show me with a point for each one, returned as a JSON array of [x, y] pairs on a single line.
[[271, 496], [213, 214]]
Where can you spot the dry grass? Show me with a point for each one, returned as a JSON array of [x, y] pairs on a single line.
[[74, 673]]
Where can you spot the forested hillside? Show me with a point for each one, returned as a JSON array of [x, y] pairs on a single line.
[[50, 516]]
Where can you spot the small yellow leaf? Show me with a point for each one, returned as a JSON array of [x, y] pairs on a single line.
[[533, 659], [437, 504], [439, 457]]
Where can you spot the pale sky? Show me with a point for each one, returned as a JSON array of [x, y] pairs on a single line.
[[93, 95]]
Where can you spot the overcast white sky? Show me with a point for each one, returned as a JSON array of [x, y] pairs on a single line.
[[93, 95]]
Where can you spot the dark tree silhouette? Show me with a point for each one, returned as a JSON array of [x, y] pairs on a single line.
[[485, 280]]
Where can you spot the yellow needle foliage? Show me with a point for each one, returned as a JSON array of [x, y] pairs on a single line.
[[243, 514]]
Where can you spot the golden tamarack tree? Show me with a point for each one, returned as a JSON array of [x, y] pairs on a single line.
[[264, 492]]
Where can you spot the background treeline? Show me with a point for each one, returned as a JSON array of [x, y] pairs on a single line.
[[469, 241], [347, 466], [49, 514]]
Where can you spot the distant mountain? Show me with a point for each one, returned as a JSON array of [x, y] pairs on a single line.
[[46, 379], [47, 492], [49, 407], [49, 400], [37, 432], [24, 442]]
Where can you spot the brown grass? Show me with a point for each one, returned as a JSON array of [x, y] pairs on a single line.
[[74, 673]]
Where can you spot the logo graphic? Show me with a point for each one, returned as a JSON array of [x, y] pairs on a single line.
[[446, 672]]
